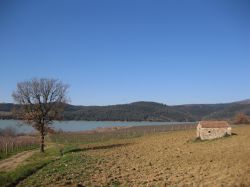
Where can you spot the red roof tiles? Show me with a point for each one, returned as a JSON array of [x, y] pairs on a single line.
[[214, 124]]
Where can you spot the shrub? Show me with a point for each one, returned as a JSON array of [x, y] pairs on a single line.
[[241, 118], [8, 131]]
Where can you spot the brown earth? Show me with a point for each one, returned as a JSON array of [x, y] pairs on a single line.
[[175, 159], [15, 160], [160, 159]]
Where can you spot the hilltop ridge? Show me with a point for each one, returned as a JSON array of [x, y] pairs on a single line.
[[147, 111]]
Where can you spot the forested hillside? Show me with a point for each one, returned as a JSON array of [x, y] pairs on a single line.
[[147, 111]]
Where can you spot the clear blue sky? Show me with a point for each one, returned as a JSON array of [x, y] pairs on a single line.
[[121, 51]]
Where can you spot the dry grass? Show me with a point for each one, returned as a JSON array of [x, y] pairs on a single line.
[[161, 159], [10, 145]]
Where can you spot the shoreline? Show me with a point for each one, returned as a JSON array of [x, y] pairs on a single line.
[[88, 126], [141, 128]]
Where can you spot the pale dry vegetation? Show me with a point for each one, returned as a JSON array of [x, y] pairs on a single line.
[[12, 143], [161, 159]]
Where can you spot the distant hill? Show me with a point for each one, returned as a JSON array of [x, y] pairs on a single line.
[[246, 101], [147, 111], [139, 111]]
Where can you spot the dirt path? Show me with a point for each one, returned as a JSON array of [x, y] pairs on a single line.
[[12, 162]]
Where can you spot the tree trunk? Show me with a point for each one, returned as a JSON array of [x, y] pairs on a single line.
[[42, 143]]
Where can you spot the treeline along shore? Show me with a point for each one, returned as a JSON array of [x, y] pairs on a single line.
[[146, 111]]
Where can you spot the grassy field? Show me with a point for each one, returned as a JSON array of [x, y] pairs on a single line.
[[28, 167], [158, 159]]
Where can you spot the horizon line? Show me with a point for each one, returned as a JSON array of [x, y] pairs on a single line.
[[238, 101]]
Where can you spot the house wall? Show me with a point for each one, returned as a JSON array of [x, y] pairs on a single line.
[[198, 130], [212, 133]]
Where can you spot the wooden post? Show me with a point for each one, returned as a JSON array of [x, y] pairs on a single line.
[[6, 148]]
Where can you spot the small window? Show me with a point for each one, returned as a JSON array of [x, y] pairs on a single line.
[[209, 131]]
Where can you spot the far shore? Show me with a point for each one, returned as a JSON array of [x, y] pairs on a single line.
[[76, 126]]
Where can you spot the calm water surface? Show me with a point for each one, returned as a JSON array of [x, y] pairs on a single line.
[[76, 125]]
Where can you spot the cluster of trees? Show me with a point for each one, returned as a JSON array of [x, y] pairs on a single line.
[[146, 111], [139, 111], [6, 115], [150, 111], [241, 118]]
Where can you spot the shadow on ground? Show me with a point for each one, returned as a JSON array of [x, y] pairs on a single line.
[[73, 150]]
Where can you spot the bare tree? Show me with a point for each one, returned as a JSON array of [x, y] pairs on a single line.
[[42, 101]]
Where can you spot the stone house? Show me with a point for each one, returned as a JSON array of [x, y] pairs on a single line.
[[207, 130]]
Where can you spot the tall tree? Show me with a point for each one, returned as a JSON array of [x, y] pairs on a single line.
[[42, 101]]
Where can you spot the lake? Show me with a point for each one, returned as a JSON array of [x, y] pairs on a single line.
[[73, 126]]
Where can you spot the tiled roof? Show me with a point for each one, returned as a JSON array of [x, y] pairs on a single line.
[[214, 124]]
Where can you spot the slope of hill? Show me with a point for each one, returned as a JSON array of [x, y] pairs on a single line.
[[147, 111], [246, 101], [139, 111]]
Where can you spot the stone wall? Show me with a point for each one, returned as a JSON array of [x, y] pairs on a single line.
[[212, 133]]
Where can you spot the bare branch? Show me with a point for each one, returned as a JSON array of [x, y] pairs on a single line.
[[42, 101]]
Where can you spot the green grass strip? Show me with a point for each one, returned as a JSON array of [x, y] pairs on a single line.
[[33, 164]]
